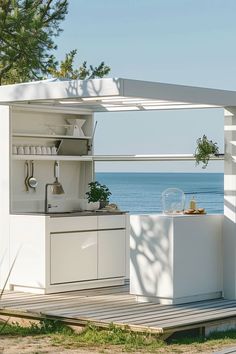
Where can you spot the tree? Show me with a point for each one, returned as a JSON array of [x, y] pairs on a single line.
[[27, 32], [27, 29], [66, 70]]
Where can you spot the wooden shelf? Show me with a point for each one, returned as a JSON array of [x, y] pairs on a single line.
[[49, 136], [52, 158]]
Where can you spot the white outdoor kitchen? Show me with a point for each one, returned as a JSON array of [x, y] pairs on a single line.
[[50, 242], [55, 243]]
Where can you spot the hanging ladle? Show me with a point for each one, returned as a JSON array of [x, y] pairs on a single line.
[[32, 181], [27, 176]]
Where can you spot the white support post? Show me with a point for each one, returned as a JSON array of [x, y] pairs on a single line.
[[4, 195], [229, 228]]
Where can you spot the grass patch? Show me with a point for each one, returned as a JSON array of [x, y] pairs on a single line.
[[42, 327], [92, 336], [226, 336], [118, 339]]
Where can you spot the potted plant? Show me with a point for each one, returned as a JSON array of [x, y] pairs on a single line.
[[205, 150], [98, 193]]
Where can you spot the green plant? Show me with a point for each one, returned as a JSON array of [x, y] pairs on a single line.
[[66, 70], [98, 192], [204, 150]]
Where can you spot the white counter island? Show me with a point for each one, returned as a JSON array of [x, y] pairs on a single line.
[[176, 258]]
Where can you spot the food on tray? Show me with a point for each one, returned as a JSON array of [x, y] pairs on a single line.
[[201, 210], [112, 207], [195, 211]]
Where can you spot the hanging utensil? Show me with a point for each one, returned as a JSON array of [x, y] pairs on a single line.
[[56, 186], [26, 176], [32, 181]]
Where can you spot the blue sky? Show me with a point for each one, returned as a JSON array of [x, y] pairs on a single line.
[[182, 42]]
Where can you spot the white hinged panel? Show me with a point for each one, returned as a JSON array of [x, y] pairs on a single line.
[[111, 253], [73, 257]]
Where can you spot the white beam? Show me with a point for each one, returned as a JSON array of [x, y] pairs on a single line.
[[164, 157], [229, 228]]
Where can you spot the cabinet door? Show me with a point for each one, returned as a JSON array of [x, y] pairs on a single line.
[[73, 257], [111, 253]]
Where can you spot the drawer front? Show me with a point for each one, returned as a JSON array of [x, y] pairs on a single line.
[[111, 222], [73, 223]]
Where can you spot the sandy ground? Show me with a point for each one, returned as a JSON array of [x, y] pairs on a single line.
[[32, 345], [35, 345]]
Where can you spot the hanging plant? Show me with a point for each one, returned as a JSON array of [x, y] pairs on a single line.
[[205, 150]]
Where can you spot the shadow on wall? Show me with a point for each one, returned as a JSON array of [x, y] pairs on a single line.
[[150, 253]]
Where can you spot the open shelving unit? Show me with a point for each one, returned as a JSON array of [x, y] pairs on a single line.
[[31, 129]]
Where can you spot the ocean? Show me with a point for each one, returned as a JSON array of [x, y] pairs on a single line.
[[140, 193]]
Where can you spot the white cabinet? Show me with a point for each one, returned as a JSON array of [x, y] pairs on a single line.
[[55, 254], [73, 257], [111, 253], [176, 259]]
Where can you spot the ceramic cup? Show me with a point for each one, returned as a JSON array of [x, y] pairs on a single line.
[[14, 149], [44, 150], [27, 150], [20, 150], [32, 150], [54, 150], [38, 150], [49, 151]]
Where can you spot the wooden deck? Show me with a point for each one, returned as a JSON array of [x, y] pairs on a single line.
[[116, 305]]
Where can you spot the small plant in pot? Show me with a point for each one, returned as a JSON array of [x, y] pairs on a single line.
[[205, 150], [98, 193]]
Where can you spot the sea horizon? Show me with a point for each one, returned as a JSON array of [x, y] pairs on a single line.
[[140, 192]]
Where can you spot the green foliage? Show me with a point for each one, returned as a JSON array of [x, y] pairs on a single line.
[[44, 326], [27, 32], [116, 339], [204, 150], [98, 192], [66, 70], [93, 336]]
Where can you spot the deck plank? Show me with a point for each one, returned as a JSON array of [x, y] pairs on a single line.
[[115, 305]]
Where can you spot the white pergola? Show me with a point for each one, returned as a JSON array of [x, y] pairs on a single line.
[[112, 95], [115, 95], [119, 95]]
